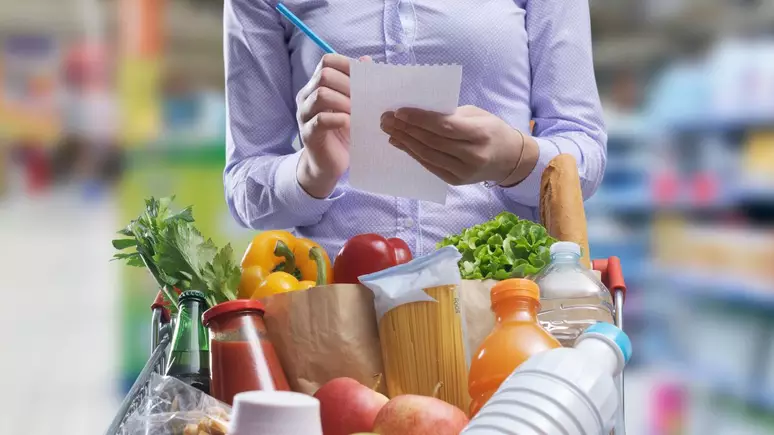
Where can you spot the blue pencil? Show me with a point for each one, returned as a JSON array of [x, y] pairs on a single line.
[[303, 27]]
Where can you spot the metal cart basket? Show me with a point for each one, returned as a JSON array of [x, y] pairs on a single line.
[[162, 325]]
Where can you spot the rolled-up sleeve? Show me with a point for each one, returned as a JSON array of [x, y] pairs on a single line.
[[260, 182], [564, 100]]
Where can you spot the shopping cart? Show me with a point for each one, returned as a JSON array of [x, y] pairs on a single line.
[[161, 334], [612, 277], [162, 325]]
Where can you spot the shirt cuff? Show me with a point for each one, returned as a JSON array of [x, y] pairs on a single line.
[[295, 198], [527, 192]]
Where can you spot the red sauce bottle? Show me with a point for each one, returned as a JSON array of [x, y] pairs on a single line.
[[238, 347]]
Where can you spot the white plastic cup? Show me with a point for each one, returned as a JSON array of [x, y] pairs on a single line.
[[275, 413]]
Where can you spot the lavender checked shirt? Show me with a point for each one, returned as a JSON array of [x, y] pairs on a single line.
[[521, 59]]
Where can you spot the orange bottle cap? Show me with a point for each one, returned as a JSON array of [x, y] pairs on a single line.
[[515, 288]]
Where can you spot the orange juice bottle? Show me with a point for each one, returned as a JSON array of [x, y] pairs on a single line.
[[517, 336]]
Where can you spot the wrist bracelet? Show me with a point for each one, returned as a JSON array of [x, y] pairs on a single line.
[[491, 184]]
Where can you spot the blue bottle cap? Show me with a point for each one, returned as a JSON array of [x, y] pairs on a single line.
[[615, 334]]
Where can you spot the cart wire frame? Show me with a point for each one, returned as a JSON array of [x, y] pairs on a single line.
[[162, 325]]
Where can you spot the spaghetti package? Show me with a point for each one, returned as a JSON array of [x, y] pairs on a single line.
[[422, 327]]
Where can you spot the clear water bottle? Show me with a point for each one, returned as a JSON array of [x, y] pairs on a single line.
[[572, 298], [561, 391]]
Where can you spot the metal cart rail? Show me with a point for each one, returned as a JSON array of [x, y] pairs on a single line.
[[162, 326], [161, 335]]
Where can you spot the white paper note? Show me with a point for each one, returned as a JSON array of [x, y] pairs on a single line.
[[375, 165]]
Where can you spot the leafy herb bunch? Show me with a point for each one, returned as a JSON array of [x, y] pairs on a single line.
[[177, 255]]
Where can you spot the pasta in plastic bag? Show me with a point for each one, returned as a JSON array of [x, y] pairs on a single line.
[[173, 407], [422, 327]]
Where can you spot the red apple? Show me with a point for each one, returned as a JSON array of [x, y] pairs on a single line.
[[347, 406], [419, 415]]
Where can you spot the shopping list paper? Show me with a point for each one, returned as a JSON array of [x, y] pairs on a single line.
[[375, 165]]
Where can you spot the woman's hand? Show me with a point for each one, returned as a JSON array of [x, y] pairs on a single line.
[[323, 121], [469, 146]]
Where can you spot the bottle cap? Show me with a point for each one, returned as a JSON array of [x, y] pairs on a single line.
[[611, 333], [230, 307], [514, 288], [191, 294], [276, 413], [565, 248]]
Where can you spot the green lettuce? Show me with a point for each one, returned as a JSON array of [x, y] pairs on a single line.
[[505, 247]]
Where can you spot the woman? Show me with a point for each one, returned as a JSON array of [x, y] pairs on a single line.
[[522, 60]]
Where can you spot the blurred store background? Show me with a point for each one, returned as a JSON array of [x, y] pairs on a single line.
[[105, 102]]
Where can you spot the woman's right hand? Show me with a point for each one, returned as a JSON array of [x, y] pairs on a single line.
[[323, 121]]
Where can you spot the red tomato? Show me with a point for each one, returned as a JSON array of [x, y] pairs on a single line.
[[402, 250], [368, 253]]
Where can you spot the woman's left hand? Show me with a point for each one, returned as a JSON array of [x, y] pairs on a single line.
[[469, 146]]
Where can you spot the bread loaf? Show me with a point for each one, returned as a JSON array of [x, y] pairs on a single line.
[[561, 204]]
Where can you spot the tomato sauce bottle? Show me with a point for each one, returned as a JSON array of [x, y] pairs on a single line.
[[517, 336], [242, 357]]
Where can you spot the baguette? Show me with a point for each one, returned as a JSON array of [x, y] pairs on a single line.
[[561, 204]]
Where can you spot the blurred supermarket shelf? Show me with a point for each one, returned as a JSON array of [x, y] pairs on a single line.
[[751, 190], [720, 124], [620, 201], [718, 286], [641, 200], [717, 383]]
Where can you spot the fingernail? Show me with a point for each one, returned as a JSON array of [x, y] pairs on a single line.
[[387, 121], [401, 114], [394, 142]]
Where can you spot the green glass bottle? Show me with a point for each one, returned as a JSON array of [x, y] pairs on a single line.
[[189, 358]]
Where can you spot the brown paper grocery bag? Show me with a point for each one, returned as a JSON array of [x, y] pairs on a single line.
[[331, 331], [324, 333]]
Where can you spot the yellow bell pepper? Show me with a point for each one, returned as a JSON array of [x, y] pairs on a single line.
[[252, 277], [272, 252], [280, 282]]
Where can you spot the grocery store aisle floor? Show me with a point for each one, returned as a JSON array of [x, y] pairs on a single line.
[[58, 315]]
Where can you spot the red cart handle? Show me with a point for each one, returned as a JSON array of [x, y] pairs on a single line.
[[612, 276], [162, 303]]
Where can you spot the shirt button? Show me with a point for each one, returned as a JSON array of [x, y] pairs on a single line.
[[408, 223], [400, 48]]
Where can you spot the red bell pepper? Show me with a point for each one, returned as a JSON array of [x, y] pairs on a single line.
[[368, 253]]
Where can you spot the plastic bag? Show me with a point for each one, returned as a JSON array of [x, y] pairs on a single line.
[[173, 407], [405, 283]]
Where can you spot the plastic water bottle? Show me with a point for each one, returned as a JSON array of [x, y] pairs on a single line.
[[560, 391], [572, 298]]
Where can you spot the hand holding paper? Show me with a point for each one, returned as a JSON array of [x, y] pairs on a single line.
[[467, 147], [375, 165]]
